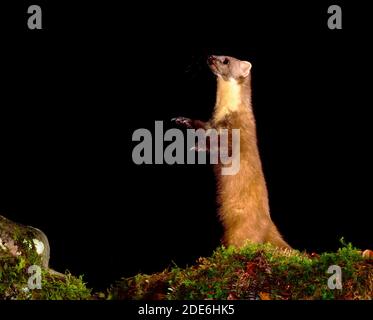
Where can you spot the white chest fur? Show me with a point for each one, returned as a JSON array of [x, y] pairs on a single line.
[[228, 98]]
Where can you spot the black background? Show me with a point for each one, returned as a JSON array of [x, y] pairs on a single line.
[[74, 92]]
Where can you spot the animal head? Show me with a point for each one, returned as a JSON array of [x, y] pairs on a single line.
[[229, 68]]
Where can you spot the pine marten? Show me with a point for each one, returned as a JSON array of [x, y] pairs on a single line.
[[242, 198]]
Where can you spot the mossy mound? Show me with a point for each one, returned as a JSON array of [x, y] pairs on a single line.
[[14, 282], [24, 270], [256, 272]]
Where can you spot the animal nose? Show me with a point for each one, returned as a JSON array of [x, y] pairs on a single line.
[[211, 59]]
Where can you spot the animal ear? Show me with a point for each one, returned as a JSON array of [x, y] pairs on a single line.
[[245, 68]]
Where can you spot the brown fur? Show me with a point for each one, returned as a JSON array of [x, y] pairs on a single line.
[[242, 198]]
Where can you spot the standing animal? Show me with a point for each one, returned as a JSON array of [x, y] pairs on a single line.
[[242, 197]]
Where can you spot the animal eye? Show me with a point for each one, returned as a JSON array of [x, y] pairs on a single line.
[[226, 61]]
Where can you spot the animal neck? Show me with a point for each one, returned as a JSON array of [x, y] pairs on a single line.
[[232, 96]]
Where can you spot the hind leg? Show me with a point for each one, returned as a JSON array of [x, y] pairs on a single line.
[[276, 239]]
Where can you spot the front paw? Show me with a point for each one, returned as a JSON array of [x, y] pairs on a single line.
[[183, 122]]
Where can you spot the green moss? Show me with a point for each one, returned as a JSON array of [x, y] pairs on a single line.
[[253, 272], [256, 272], [14, 282], [66, 288]]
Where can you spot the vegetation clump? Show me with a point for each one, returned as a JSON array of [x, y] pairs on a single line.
[[257, 272], [15, 283]]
